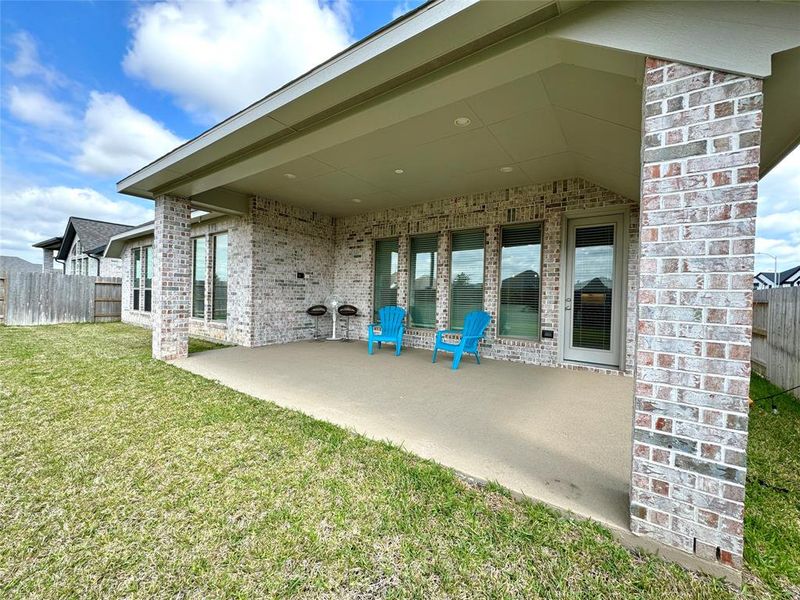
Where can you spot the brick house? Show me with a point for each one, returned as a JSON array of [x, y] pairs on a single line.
[[600, 159], [81, 249]]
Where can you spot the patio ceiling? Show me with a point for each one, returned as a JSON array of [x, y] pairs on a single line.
[[563, 122], [551, 90]]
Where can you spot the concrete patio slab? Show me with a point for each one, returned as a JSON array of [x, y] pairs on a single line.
[[555, 435]]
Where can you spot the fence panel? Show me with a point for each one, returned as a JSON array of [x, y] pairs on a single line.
[[46, 298], [776, 336], [3, 282]]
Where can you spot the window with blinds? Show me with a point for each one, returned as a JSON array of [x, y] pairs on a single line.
[[219, 291], [466, 275], [137, 276], [198, 277], [148, 278], [385, 276], [422, 281], [593, 284], [520, 281]]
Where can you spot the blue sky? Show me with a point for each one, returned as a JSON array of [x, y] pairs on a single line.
[[91, 91]]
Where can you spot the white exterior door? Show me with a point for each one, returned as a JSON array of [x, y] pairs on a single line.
[[594, 294]]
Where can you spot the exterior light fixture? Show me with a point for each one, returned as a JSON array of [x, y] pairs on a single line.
[[506, 169], [290, 176], [399, 171], [357, 200], [462, 121]]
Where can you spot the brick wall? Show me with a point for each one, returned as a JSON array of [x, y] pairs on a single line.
[[700, 170], [546, 203], [47, 260], [172, 257], [266, 250]]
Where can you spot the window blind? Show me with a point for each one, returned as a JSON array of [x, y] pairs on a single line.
[[385, 276], [148, 277], [422, 281], [520, 281], [198, 277], [219, 304], [466, 275], [137, 276], [593, 283]]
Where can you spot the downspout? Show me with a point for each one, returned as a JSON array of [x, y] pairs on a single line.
[[97, 258], [63, 265]]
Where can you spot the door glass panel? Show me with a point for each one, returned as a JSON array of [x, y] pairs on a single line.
[[593, 285]]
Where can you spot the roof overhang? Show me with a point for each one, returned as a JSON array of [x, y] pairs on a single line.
[[53, 243], [116, 244], [448, 51]]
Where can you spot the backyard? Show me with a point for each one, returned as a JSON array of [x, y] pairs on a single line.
[[124, 476]]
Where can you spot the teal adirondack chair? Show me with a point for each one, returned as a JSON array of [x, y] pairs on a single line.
[[391, 325], [475, 324]]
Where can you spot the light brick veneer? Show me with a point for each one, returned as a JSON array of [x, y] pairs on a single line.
[[172, 259], [547, 203], [47, 260], [699, 188]]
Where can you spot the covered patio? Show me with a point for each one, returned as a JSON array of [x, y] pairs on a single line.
[[555, 435]]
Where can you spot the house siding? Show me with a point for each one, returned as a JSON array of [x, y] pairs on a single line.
[[547, 203]]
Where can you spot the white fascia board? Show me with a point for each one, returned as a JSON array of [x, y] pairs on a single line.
[[358, 54], [738, 37]]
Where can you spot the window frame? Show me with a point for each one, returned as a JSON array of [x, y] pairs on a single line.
[[206, 260], [498, 335], [451, 232], [396, 238], [209, 310], [437, 236], [144, 250]]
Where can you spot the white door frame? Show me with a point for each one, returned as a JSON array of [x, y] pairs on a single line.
[[613, 358]]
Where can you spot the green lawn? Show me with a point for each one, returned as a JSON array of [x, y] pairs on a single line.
[[123, 476]]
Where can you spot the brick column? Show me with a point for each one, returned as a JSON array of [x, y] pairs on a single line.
[[47, 260], [491, 278], [443, 281], [172, 265], [402, 271], [701, 145]]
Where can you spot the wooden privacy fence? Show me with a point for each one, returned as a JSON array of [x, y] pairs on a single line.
[[46, 298], [776, 336]]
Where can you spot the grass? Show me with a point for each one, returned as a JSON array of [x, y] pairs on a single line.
[[772, 503], [124, 476]]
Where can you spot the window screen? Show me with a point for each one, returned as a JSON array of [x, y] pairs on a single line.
[[466, 275], [219, 310], [520, 270], [198, 277], [385, 280], [422, 281]]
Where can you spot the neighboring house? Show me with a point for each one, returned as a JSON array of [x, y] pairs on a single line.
[[14, 264], [613, 149], [787, 278], [81, 248]]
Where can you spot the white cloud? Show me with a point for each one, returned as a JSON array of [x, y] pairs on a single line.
[[778, 222], [37, 108], [217, 57], [27, 63], [119, 138], [32, 214]]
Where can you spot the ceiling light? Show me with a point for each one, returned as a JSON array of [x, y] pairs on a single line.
[[357, 200], [290, 176], [506, 169], [399, 171], [462, 121]]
